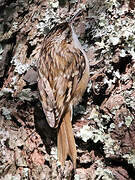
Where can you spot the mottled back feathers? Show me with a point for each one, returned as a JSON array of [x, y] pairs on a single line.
[[61, 67]]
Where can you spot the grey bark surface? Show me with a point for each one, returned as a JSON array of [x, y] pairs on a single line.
[[103, 123]]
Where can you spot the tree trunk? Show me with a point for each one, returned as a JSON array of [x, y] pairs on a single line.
[[28, 144]]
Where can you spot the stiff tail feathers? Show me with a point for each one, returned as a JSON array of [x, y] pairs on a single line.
[[65, 140]]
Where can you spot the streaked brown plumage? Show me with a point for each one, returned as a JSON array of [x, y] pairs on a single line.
[[63, 76]]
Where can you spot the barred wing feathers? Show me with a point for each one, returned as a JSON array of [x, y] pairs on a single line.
[[60, 70]]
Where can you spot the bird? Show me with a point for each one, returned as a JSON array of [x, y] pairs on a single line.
[[63, 74]]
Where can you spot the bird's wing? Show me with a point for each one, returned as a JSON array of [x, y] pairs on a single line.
[[60, 70]]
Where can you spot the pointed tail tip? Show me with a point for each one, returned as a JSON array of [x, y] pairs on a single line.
[[65, 140]]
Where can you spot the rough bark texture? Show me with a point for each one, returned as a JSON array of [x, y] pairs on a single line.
[[103, 123]]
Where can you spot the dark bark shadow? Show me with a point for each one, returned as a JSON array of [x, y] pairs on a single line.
[[48, 134]]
